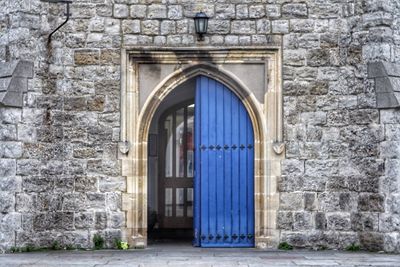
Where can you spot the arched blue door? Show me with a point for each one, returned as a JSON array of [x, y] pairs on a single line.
[[224, 168]]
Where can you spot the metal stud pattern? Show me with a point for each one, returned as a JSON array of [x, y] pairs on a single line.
[[218, 147]]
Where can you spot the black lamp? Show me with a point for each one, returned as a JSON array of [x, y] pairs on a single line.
[[201, 25]]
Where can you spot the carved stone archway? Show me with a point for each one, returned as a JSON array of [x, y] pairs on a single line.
[[265, 113]]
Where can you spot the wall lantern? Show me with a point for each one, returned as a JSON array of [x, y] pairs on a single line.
[[201, 25]]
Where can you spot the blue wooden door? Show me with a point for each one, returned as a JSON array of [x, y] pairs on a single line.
[[224, 168]]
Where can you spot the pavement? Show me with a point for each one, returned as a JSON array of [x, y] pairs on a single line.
[[185, 255]]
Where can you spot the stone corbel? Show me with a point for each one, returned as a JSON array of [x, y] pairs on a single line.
[[278, 147], [124, 146], [387, 83], [14, 82]]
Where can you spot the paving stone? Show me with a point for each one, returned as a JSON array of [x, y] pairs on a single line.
[[340, 176]]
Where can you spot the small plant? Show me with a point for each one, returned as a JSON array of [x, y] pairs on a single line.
[[121, 245], [55, 246], [69, 247], [14, 249], [285, 246], [29, 248], [98, 241], [353, 247]]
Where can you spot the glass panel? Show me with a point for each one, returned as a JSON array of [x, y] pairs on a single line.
[[190, 141], [189, 202], [168, 202], [168, 131], [179, 143], [180, 202]]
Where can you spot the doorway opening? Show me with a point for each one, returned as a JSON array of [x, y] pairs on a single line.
[[171, 167], [201, 167]]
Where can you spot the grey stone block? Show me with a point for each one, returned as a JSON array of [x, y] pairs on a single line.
[[175, 12], [10, 184], [295, 10], [391, 242], [10, 222], [100, 220], [338, 221], [296, 239], [168, 27], [224, 11], [329, 201], [293, 167], [150, 27], [371, 202], [131, 26], [84, 220], [121, 11], [273, 11], [77, 238], [372, 241], [243, 27], [318, 57], [7, 202], [156, 11], [320, 221], [138, 11], [7, 167], [110, 184], [25, 203], [85, 184], [242, 11], [75, 202], [96, 200], [116, 220], [284, 220], [28, 167], [302, 221], [310, 201], [291, 201], [114, 201], [263, 26], [280, 26], [37, 184], [256, 11], [389, 222], [365, 221]]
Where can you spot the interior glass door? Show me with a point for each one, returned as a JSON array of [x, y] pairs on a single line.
[[177, 168]]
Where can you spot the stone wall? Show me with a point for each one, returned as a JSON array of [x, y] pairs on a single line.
[[340, 180], [389, 220], [60, 176]]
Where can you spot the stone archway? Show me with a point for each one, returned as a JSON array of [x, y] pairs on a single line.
[[138, 119]]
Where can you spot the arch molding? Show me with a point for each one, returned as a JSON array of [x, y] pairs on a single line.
[[265, 114]]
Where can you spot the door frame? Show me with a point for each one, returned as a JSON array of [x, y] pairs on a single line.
[[266, 116]]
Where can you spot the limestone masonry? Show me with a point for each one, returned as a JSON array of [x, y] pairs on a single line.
[[60, 169]]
